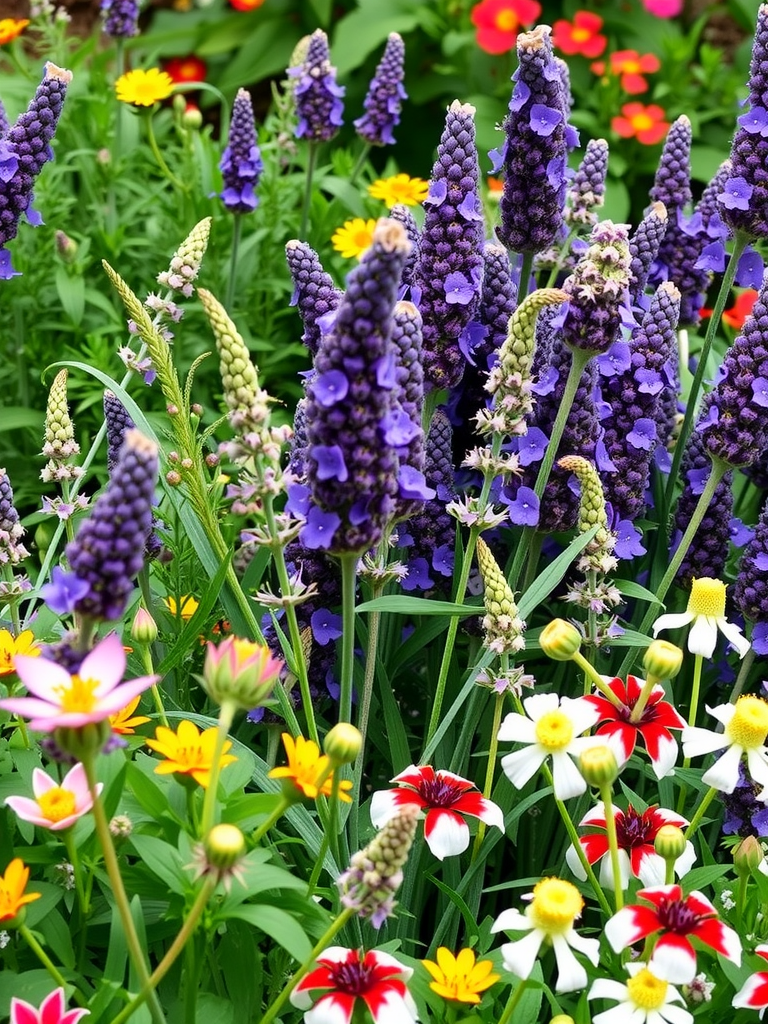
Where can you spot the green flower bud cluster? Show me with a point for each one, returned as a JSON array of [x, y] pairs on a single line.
[[502, 625], [185, 264], [60, 444], [598, 554]]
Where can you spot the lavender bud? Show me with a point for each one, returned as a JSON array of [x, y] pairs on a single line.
[[314, 292], [118, 421], [318, 97], [597, 288], [404, 216], [643, 248], [11, 530], [751, 590], [586, 191], [121, 18], [432, 529], [672, 183], [185, 264], [385, 95], [241, 164], [408, 395]]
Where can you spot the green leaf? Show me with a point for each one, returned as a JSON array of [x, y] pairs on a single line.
[[248, 810], [546, 582], [280, 926], [402, 605], [162, 860], [458, 902], [58, 937], [209, 1007], [50, 897], [71, 291], [632, 589], [31, 986], [117, 950], [363, 30], [147, 792], [699, 878], [18, 418]]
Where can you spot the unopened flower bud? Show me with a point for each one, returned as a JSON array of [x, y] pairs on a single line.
[[224, 846], [187, 463], [212, 460], [598, 766], [240, 672], [748, 856], [179, 103], [66, 247], [662, 660], [560, 640], [192, 117], [143, 628], [343, 743], [196, 409], [670, 842], [562, 1018], [120, 827], [173, 478], [172, 410]]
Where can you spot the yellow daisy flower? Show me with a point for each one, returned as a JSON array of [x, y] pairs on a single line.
[[185, 607], [12, 886], [10, 646], [10, 28], [144, 88], [306, 767], [122, 723], [400, 189], [353, 237], [459, 977], [188, 751]]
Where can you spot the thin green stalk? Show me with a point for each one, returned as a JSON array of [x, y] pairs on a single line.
[[104, 837], [565, 248], [741, 679], [74, 859], [297, 975], [374, 622], [318, 866], [176, 182], [13, 607], [348, 585], [490, 767], [514, 999], [701, 810], [526, 267], [312, 148], [149, 669], [574, 837], [591, 673], [695, 690], [226, 717], [606, 795], [267, 824], [172, 952], [42, 956], [360, 162], [237, 230], [741, 897]]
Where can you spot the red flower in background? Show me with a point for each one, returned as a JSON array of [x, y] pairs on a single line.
[[498, 22], [185, 69], [740, 310], [631, 66], [646, 124], [582, 36], [245, 5]]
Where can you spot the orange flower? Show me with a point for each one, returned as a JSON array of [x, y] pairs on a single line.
[[631, 66], [10, 28], [739, 311], [245, 5], [185, 69], [498, 22], [12, 886], [646, 124], [122, 723], [189, 751], [582, 36]]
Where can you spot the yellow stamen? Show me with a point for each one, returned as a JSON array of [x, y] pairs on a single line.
[[554, 730], [57, 804], [749, 725], [507, 21], [646, 990], [555, 906], [78, 697], [707, 598]]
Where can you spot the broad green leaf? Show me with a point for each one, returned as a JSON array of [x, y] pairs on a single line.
[[403, 605], [147, 792], [700, 878], [248, 810], [59, 938], [362, 31], [632, 589], [280, 926], [546, 581], [209, 1007], [162, 860], [71, 291]]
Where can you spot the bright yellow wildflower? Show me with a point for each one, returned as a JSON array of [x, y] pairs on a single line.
[[10, 28], [306, 767], [400, 189], [188, 751], [122, 723], [10, 646], [12, 886], [144, 88], [353, 237], [459, 977], [185, 607]]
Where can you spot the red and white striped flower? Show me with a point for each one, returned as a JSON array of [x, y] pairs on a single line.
[[444, 797], [753, 994], [658, 717], [636, 833], [330, 993], [678, 916]]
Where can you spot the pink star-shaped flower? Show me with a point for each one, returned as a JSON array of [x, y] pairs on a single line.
[[51, 1011], [673, 958], [656, 721], [445, 797]]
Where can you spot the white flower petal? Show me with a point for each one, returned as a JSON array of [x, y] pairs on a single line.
[[758, 765], [573, 862], [568, 780], [697, 742], [734, 635], [328, 1011], [513, 921], [652, 869], [702, 636], [539, 704], [667, 757], [520, 956], [745, 996], [517, 729], [606, 988], [396, 1010], [671, 621], [722, 712], [674, 1014], [623, 1013], [724, 773], [571, 976], [446, 833], [606, 870], [521, 765], [589, 947], [582, 713], [387, 803]]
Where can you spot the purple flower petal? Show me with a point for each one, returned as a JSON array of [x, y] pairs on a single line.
[[524, 510], [760, 638], [520, 94], [330, 462], [740, 533], [760, 392], [749, 272], [298, 500], [398, 428], [643, 435], [319, 529], [532, 446], [418, 576], [443, 559], [628, 540], [413, 484], [616, 360], [329, 388], [458, 289], [755, 121], [649, 382], [544, 120], [712, 258], [438, 190], [64, 591], [326, 626], [736, 194], [469, 208]]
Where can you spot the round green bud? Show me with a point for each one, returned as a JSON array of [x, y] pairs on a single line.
[[560, 640], [343, 743], [224, 846], [670, 842], [84, 740], [747, 856], [598, 766], [662, 660], [143, 628]]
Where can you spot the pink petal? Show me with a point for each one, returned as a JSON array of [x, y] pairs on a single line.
[[446, 833], [673, 959], [630, 924], [73, 1016], [23, 1013], [386, 803], [477, 805], [52, 1007], [41, 676], [76, 782], [106, 662], [27, 707], [27, 810], [42, 782]]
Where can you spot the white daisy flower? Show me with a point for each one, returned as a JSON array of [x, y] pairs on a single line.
[[745, 731], [645, 999], [706, 610]]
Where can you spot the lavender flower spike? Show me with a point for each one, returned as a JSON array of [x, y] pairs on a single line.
[[108, 551], [751, 590], [448, 276], [643, 248], [586, 191], [385, 95], [744, 199], [708, 552], [121, 18], [318, 97], [11, 530], [534, 153], [4, 123], [597, 288], [23, 151], [241, 164], [735, 424], [352, 469], [313, 289]]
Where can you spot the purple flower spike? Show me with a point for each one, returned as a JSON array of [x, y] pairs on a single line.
[[643, 248], [351, 470], [241, 164], [597, 288], [404, 216], [432, 530], [314, 291], [28, 145], [121, 18], [535, 149], [108, 551], [12, 550], [447, 277], [318, 97], [751, 590], [408, 399], [586, 191], [385, 96]]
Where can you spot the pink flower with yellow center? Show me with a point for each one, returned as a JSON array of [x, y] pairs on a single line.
[[61, 700], [57, 805]]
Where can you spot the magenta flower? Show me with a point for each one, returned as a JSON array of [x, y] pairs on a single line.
[[445, 797], [61, 700], [56, 805], [673, 958], [51, 1011]]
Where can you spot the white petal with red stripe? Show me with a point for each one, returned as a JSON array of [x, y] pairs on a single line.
[[446, 833]]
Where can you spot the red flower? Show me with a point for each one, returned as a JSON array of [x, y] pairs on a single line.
[[646, 124], [498, 22], [445, 797], [582, 36], [245, 5], [631, 66], [754, 992], [657, 718], [739, 311], [185, 69], [673, 958], [349, 974]]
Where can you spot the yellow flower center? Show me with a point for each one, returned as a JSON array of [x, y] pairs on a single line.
[[57, 803], [555, 906], [641, 123], [507, 21], [749, 725], [245, 649], [646, 990], [554, 730], [581, 35], [707, 598], [78, 697]]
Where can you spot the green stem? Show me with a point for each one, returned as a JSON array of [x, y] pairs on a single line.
[[526, 266], [490, 767], [237, 230], [606, 795], [701, 810], [74, 860], [561, 256], [348, 585], [642, 700], [598, 682], [695, 690], [266, 825], [514, 999], [360, 162], [172, 953], [374, 622], [741, 679], [296, 977], [135, 951], [176, 182], [311, 162], [42, 956], [226, 717], [741, 897], [318, 866], [149, 669]]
